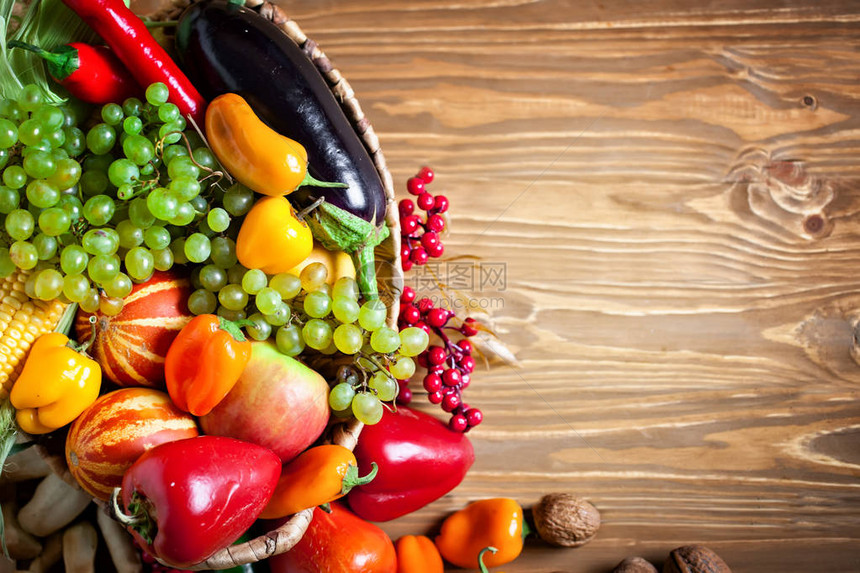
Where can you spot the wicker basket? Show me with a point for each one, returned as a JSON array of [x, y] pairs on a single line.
[[389, 275]]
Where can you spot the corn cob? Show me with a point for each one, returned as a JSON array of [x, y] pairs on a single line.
[[22, 321]]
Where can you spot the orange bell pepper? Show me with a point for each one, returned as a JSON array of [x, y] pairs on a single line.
[[318, 476], [255, 154], [204, 362], [494, 522], [58, 382], [418, 554]]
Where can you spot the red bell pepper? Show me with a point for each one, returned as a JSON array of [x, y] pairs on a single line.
[[419, 460], [91, 73], [338, 542], [134, 45], [185, 500]]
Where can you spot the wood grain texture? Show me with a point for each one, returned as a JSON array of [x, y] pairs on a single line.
[[673, 190]]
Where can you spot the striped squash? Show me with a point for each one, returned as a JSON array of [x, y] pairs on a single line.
[[115, 430], [131, 346]]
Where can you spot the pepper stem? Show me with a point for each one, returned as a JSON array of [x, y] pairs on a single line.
[[483, 567], [312, 181], [352, 479], [83, 347], [304, 212], [234, 327], [527, 529], [61, 64], [138, 519]]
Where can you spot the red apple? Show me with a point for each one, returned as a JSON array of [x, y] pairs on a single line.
[[278, 403]]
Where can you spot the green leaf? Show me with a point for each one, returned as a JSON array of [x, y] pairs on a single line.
[[8, 433]]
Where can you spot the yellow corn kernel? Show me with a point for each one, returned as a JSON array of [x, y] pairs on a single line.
[[22, 321]]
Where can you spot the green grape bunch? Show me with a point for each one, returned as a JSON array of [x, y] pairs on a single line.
[[306, 313], [92, 212]]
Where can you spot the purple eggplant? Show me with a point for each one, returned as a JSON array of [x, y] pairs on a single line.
[[225, 47]]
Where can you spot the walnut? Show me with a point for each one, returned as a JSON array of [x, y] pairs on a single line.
[[694, 559], [634, 565], [566, 520]]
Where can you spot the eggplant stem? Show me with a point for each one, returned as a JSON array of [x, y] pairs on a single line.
[[365, 270]]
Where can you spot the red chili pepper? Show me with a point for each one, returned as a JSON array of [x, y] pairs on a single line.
[[187, 499], [419, 459], [91, 73], [132, 42], [338, 541]]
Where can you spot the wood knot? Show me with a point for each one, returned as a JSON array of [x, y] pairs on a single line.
[[784, 192], [832, 447], [814, 224], [810, 102]]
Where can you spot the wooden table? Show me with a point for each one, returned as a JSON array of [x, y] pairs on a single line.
[[667, 193]]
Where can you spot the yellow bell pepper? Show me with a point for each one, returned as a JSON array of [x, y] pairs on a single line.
[[272, 238], [55, 386], [338, 263]]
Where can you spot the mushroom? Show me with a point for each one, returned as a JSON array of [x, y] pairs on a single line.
[[565, 520]]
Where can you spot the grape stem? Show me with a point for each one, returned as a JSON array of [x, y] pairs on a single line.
[[209, 147], [372, 359], [381, 368], [212, 172]]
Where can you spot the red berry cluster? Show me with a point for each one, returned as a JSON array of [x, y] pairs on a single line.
[[420, 234], [449, 365]]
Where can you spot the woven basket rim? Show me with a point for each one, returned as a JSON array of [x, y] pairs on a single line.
[[284, 537]]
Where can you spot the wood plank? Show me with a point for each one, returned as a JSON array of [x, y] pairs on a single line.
[[672, 189]]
